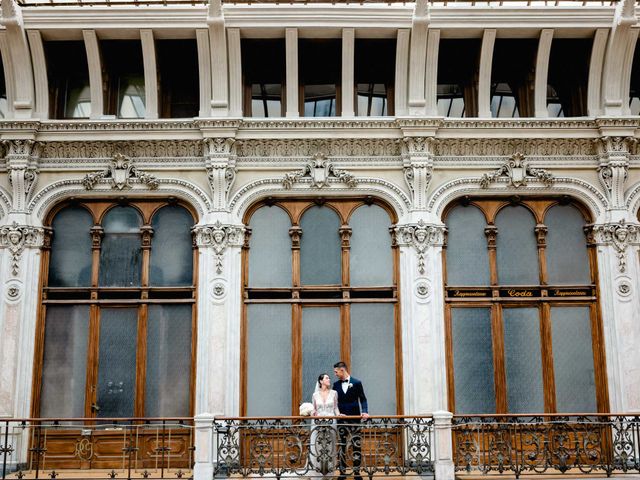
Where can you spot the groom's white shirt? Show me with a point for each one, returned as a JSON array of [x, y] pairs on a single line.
[[345, 384]]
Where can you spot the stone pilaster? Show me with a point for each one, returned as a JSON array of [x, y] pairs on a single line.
[[221, 169]]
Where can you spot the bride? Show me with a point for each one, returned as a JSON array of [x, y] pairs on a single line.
[[322, 448]]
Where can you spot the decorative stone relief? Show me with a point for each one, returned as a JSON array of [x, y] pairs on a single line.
[[624, 287], [319, 170], [418, 167], [467, 147], [613, 168], [120, 172], [22, 167], [16, 238], [619, 235], [338, 147], [419, 236], [423, 290], [142, 148], [221, 171], [218, 237], [517, 170]]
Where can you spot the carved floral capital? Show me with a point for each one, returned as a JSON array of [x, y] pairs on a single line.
[[16, 238], [618, 235], [419, 236], [218, 237]]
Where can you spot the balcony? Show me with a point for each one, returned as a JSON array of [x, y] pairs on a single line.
[[438, 446]]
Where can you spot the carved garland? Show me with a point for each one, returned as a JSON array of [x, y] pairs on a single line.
[[121, 170]]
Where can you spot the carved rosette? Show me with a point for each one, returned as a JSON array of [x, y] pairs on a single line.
[[618, 235], [16, 238], [218, 237], [120, 172], [419, 236], [320, 171], [517, 171]]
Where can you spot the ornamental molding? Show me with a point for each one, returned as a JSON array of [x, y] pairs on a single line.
[[119, 174], [420, 236], [478, 147], [16, 238], [21, 163], [305, 148], [218, 237], [618, 235], [219, 146], [613, 168], [418, 146], [615, 145], [418, 176], [140, 148], [319, 171], [23, 148], [517, 171]]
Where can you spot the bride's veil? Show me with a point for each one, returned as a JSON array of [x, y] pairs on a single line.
[[315, 390]]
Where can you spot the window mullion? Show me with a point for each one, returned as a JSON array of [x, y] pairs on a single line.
[[499, 377], [345, 333], [548, 375], [296, 357], [92, 362], [141, 361]]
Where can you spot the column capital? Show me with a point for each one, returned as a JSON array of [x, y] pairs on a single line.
[[618, 235], [218, 237], [419, 236], [16, 238]]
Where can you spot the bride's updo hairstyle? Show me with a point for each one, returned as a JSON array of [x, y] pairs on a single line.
[[320, 377]]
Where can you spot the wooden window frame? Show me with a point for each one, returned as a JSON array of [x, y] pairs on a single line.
[[490, 297], [296, 208], [93, 296]]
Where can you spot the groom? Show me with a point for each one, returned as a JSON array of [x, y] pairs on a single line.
[[352, 402]]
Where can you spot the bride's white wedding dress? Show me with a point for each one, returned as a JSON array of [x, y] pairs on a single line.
[[322, 446]]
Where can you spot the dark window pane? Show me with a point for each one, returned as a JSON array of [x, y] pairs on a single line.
[[171, 248], [70, 264], [168, 373], [120, 255]]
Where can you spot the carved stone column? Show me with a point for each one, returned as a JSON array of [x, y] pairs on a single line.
[[218, 353], [613, 153], [19, 273], [422, 306], [221, 169], [618, 247], [417, 159]]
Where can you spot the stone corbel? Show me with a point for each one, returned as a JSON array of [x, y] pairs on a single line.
[[419, 236], [220, 154], [613, 168], [618, 235], [418, 168], [22, 166], [218, 237], [16, 238]]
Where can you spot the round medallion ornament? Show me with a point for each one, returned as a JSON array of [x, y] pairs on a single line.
[[624, 288], [13, 291], [218, 290], [423, 290]]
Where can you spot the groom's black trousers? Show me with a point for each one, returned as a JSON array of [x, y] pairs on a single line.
[[350, 446]]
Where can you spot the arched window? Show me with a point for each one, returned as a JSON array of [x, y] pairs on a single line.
[[320, 287], [523, 335], [117, 326]]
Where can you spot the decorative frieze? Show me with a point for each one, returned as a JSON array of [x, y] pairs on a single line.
[[420, 236], [517, 171], [218, 237], [466, 147], [15, 238], [319, 171], [120, 172], [139, 149], [618, 235], [338, 147]]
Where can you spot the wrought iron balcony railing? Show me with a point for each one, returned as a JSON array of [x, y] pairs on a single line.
[[312, 446], [536, 444], [122, 448]]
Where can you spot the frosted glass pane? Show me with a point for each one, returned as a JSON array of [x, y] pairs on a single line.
[[523, 360], [472, 360], [269, 360], [373, 354], [573, 360], [168, 361], [467, 255], [270, 248], [370, 257], [65, 361], [171, 247], [320, 345], [567, 258], [517, 249], [120, 253], [117, 361], [70, 264], [320, 251]]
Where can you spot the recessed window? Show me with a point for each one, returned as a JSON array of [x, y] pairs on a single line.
[[568, 77], [68, 75], [374, 75], [264, 73], [458, 63], [513, 77], [634, 90], [320, 72], [178, 78], [124, 76], [3, 92]]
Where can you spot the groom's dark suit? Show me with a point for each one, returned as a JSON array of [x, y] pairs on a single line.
[[352, 402]]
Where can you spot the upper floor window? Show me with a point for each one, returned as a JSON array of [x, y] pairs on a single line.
[[522, 327], [68, 75], [319, 286], [178, 78], [263, 77], [458, 64], [124, 76], [568, 77], [320, 70], [3, 92], [634, 90], [513, 77], [374, 76]]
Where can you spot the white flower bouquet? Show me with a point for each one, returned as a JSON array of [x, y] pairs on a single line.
[[306, 409]]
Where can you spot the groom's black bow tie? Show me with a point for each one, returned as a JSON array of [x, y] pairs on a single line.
[[345, 381]]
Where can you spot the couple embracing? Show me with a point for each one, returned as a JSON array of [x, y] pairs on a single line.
[[343, 438]]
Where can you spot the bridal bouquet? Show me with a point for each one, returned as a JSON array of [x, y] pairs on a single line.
[[306, 409]]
